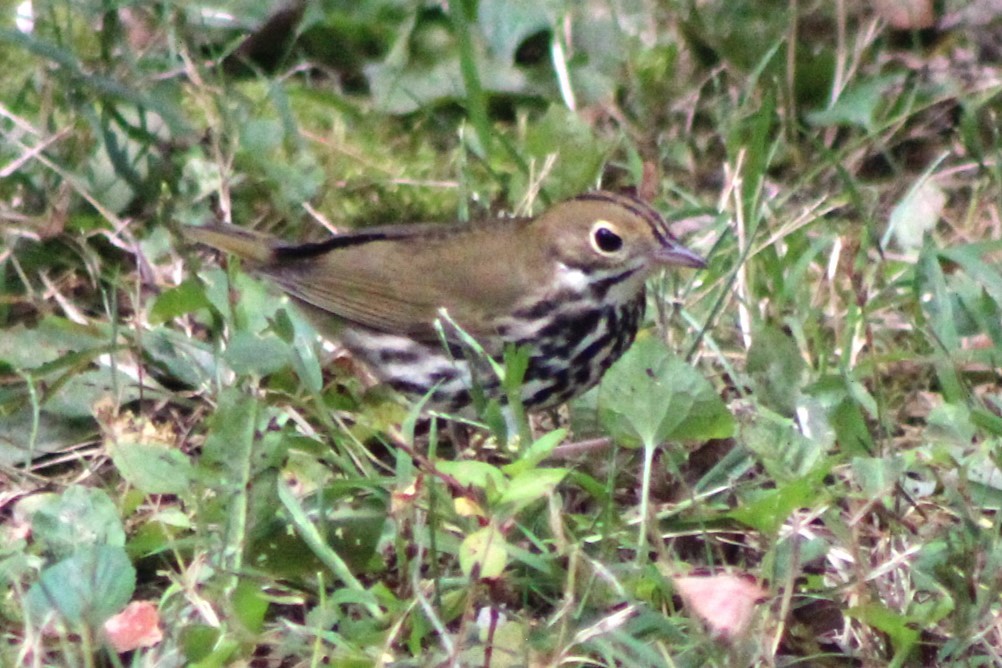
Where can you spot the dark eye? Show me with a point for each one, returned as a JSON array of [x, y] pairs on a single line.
[[606, 241]]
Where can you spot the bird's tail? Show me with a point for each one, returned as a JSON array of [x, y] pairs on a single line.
[[254, 246]]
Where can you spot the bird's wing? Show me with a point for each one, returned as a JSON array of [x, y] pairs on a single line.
[[399, 285]]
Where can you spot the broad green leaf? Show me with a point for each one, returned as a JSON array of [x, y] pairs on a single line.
[[579, 152], [84, 589], [976, 261], [507, 23], [352, 532], [50, 340], [353, 589], [64, 373], [198, 641], [255, 305], [355, 532], [776, 367], [185, 298], [231, 434], [916, 214], [297, 180], [877, 476], [529, 486], [79, 517], [651, 396], [21, 439], [119, 168], [536, 452], [499, 642], [767, 510], [304, 357], [935, 297], [402, 84], [191, 362], [780, 445], [76, 397], [158, 100], [475, 474], [250, 354], [485, 551], [261, 136], [284, 326], [858, 104], [852, 431], [951, 423], [903, 630], [153, 468], [250, 605], [848, 404]]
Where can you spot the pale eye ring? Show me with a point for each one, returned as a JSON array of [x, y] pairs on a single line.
[[605, 238]]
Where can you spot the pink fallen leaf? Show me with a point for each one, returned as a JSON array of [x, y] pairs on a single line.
[[136, 626], [725, 602], [907, 14]]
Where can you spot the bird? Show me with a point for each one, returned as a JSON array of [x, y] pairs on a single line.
[[566, 287]]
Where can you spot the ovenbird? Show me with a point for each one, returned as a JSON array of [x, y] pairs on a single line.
[[567, 285]]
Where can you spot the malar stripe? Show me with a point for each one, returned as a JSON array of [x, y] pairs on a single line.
[[545, 307], [600, 288]]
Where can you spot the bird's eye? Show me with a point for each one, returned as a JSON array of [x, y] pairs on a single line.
[[604, 238]]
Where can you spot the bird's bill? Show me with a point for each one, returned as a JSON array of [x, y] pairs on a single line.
[[677, 254]]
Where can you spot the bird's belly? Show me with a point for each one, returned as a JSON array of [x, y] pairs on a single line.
[[568, 354]]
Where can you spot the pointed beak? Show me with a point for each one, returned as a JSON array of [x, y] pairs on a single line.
[[675, 253]]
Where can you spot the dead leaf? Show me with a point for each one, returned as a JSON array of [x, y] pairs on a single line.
[[906, 14], [136, 626], [725, 602]]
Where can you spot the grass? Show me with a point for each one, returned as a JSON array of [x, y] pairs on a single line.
[[797, 464]]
